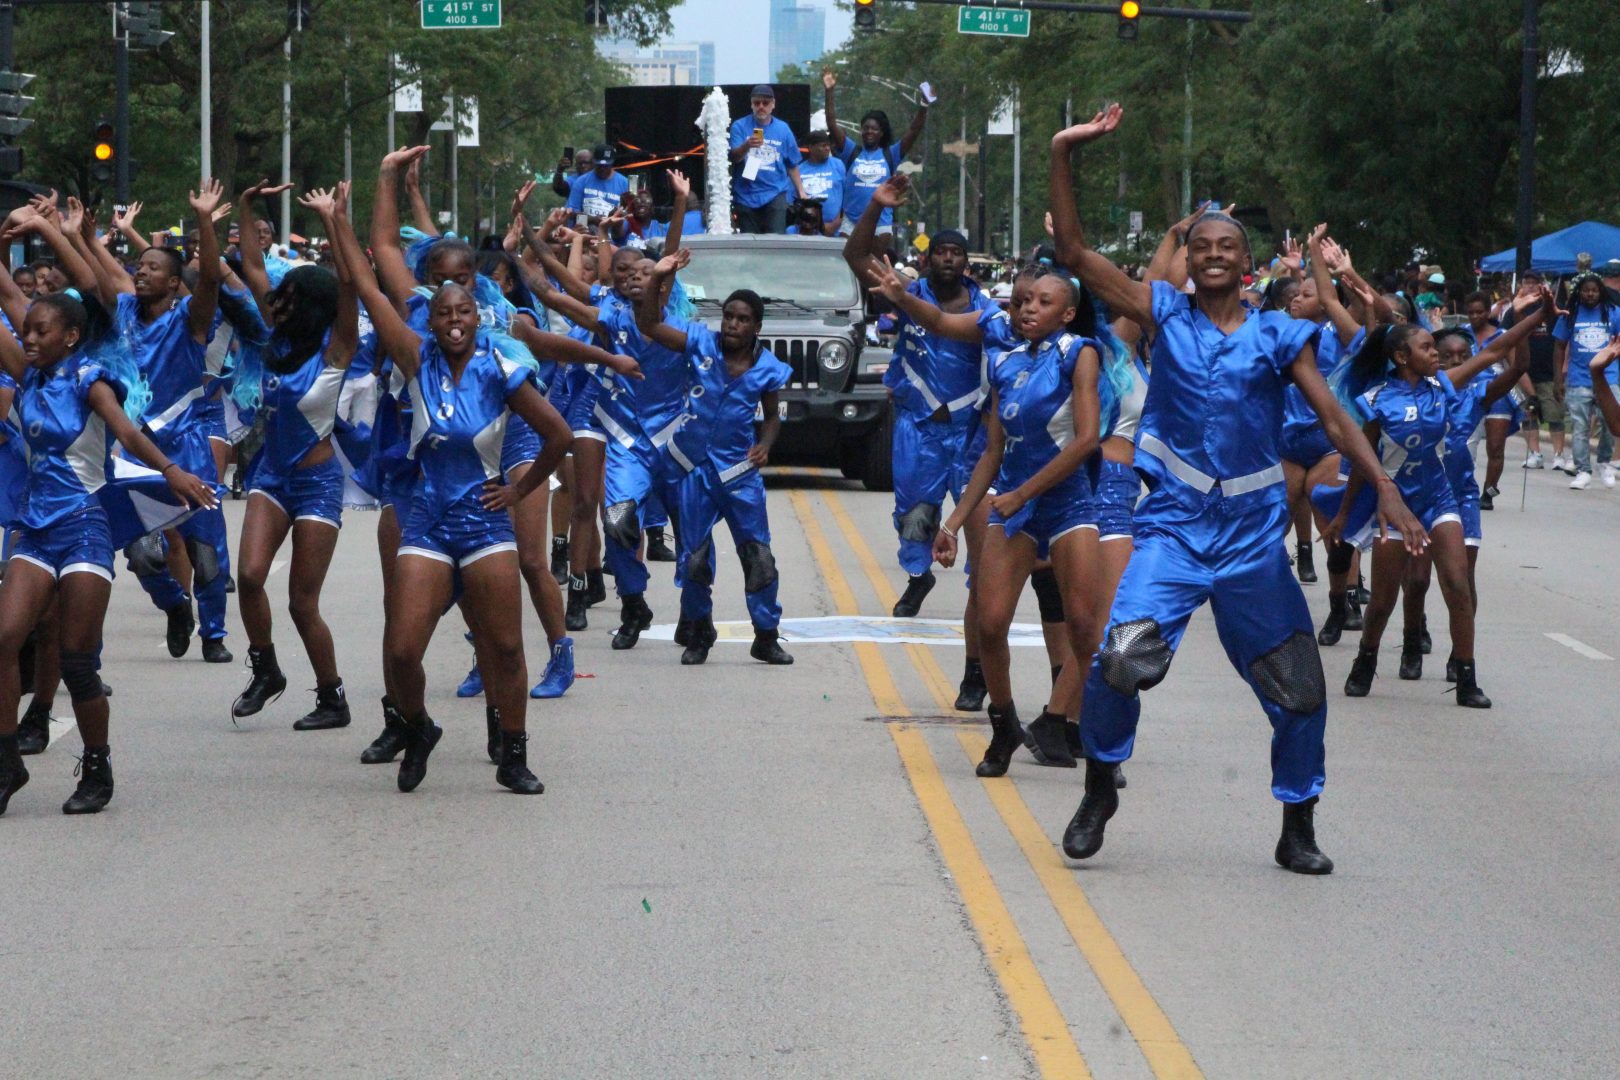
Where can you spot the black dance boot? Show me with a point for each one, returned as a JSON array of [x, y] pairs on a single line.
[[1046, 740], [1424, 638], [1359, 594], [1006, 734], [1451, 669], [265, 685], [1352, 613], [971, 694], [421, 736], [700, 638], [767, 648], [387, 746], [1084, 836], [683, 631], [1333, 628], [1359, 683], [215, 652], [1469, 695], [181, 626], [492, 731], [1411, 656], [634, 617], [95, 788], [1305, 564], [917, 589], [657, 547], [595, 587], [13, 774], [331, 710], [34, 729], [513, 771], [559, 559], [1296, 848], [578, 605]]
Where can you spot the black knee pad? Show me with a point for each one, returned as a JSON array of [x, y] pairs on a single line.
[[1339, 556], [621, 524], [759, 566], [145, 556], [1291, 674], [698, 570], [1048, 595], [80, 676], [1135, 657], [204, 563], [920, 523]]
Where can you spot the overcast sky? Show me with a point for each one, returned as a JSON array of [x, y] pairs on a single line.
[[740, 30]]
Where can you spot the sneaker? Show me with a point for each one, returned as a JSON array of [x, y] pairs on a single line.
[[559, 673], [472, 685], [1608, 476], [1567, 464], [1534, 461], [1582, 481]]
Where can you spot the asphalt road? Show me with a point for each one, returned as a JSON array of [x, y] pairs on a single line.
[[741, 872]]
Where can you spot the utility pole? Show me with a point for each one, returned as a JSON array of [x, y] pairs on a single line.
[[1186, 130], [121, 111], [205, 95], [1018, 171], [1529, 67]]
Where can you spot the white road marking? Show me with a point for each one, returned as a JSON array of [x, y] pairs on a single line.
[[1580, 646], [277, 565]]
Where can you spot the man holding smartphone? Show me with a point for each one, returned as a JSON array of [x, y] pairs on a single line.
[[597, 193], [770, 157]]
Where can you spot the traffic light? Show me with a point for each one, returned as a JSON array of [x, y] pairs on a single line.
[[13, 103], [865, 16], [104, 152], [143, 24], [1130, 14], [298, 13], [596, 13]]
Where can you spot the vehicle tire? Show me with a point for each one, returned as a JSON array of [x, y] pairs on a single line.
[[878, 474], [852, 459]]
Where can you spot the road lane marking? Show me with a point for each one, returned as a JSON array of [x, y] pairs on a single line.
[[1041, 1021], [1166, 1055], [1580, 646]]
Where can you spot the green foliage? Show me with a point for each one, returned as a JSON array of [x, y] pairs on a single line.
[[538, 81]]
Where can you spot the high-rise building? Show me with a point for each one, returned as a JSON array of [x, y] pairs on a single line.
[[671, 64], [798, 34]]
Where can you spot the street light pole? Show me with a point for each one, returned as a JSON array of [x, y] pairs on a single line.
[[205, 96], [121, 110], [1530, 65]]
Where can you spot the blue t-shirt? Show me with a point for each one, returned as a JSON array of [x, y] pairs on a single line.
[[779, 154], [590, 194], [866, 169], [1586, 333], [825, 182]]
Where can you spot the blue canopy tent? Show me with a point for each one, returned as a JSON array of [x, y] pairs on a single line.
[[1555, 253]]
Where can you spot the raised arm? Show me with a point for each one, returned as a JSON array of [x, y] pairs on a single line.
[[396, 277], [402, 344], [252, 256], [682, 187], [345, 339], [12, 357], [125, 224], [829, 83], [421, 215], [1376, 308], [25, 220], [919, 120], [1602, 392], [957, 325], [1528, 313], [80, 229], [13, 301], [858, 251], [649, 317], [571, 282], [205, 297], [1344, 323], [1124, 297]]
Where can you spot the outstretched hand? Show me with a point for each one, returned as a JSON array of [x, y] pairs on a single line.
[[892, 192], [1099, 125], [263, 189], [320, 200], [829, 78], [1335, 258], [674, 262], [206, 201], [404, 156], [190, 489], [679, 184], [885, 282], [126, 220]]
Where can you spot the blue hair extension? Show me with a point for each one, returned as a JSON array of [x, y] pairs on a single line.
[[420, 244], [495, 313], [680, 304], [116, 355]]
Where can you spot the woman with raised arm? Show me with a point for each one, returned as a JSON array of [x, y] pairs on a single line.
[[69, 401], [1212, 523], [455, 527], [292, 371]]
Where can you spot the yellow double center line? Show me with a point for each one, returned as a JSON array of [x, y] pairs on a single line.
[[1047, 1033]]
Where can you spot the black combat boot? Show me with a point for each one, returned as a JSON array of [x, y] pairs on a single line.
[[700, 638], [657, 547], [421, 736], [331, 710], [559, 559], [1084, 836], [578, 605], [492, 731], [917, 589], [1296, 848], [13, 774], [265, 685], [95, 788], [513, 771], [1411, 656], [1333, 628], [1359, 683], [634, 617], [1047, 743], [34, 730], [181, 626], [971, 694], [388, 745], [595, 587], [767, 648], [1469, 695], [215, 652], [1006, 735], [1305, 564], [1424, 638]]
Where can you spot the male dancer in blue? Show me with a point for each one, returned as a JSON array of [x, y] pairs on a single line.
[[936, 389], [169, 335], [715, 451], [1212, 523]]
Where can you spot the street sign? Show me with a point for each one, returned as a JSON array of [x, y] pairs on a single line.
[[461, 14], [992, 21]]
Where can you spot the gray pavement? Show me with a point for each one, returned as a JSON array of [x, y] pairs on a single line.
[[256, 903]]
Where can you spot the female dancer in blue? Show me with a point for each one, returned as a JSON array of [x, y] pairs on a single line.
[[1212, 523], [294, 373], [1038, 469], [69, 404], [455, 527], [1396, 381]]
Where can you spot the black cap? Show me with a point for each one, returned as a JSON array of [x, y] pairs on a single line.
[[603, 153], [1611, 268], [820, 135], [763, 90]]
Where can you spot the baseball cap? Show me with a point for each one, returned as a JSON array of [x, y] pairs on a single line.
[[1611, 268], [1437, 278], [763, 90], [603, 153]]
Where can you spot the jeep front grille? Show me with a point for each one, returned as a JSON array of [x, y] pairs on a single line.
[[800, 355]]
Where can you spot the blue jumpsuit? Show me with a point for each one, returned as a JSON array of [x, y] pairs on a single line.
[[1414, 419], [61, 526], [1211, 528], [300, 412], [1034, 386], [710, 451], [936, 386], [639, 418], [457, 432], [174, 365]]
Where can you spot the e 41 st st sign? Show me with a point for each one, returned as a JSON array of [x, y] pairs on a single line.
[[995, 22], [461, 14]]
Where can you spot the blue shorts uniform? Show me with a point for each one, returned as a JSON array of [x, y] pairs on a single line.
[[1112, 507], [1054, 513], [1305, 446], [460, 534], [1415, 419], [521, 445], [80, 542], [314, 493]]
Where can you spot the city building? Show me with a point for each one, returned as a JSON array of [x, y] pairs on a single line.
[[798, 34], [671, 64]]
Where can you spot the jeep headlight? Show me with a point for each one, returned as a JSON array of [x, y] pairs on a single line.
[[834, 355]]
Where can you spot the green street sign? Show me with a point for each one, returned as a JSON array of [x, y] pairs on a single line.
[[461, 14], [992, 21]]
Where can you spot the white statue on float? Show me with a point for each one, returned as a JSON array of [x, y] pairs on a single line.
[[715, 123]]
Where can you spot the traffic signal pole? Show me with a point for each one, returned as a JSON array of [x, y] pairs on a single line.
[[1199, 14], [121, 114]]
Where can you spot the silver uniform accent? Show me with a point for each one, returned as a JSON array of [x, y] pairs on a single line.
[[1202, 482]]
